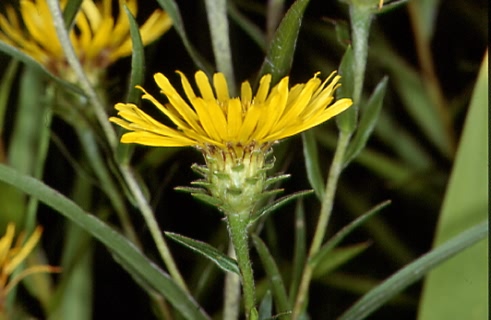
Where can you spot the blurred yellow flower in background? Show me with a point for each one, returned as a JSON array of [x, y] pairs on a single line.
[[12, 254], [97, 37]]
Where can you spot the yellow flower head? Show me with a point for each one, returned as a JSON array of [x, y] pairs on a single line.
[[235, 134], [97, 37], [213, 118], [13, 254]]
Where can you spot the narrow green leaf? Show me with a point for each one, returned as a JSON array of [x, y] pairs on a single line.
[[107, 182], [273, 274], [127, 253], [335, 258], [223, 261], [277, 204], [360, 284], [27, 125], [410, 86], [248, 26], [458, 289], [370, 115], [342, 29], [311, 155], [5, 90], [413, 272], [137, 60], [426, 15], [124, 151], [279, 58], [78, 281], [266, 306], [172, 9], [347, 121], [340, 235], [299, 251], [405, 145], [19, 55], [70, 11]]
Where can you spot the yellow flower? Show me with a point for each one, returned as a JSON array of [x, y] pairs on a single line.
[[12, 255], [234, 134], [97, 37], [213, 118]]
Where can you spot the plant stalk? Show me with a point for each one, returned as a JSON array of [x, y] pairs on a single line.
[[324, 216], [216, 11], [152, 224], [231, 292], [84, 82], [237, 227]]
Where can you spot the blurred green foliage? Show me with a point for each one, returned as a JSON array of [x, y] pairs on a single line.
[[431, 52]]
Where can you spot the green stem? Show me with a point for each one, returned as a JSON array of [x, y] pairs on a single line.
[[75, 64], [325, 214], [152, 224], [361, 17], [231, 292], [217, 19], [110, 135], [237, 227]]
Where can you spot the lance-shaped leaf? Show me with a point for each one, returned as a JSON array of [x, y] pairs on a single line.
[[223, 261], [70, 11], [312, 165], [279, 58], [299, 252], [334, 259], [464, 280], [124, 150], [340, 235], [277, 204], [137, 59], [414, 271], [370, 114], [274, 275], [266, 307], [128, 255], [347, 120]]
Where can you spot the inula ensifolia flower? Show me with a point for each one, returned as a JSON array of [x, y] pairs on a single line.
[[97, 36], [235, 134], [12, 254]]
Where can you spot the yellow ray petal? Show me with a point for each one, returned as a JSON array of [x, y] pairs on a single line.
[[221, 87], [234, 119], [204, 85], [263, 89], [24, 252]]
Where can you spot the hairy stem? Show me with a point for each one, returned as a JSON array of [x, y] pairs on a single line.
[[237, 227]]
